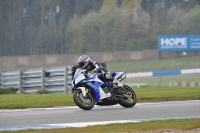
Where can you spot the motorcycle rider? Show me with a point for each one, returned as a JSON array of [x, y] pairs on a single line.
[[92, 66]]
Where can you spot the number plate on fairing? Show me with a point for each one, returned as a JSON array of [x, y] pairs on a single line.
[[79, 78]]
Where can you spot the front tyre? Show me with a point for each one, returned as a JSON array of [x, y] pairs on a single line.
[[82, 102], [128, 98]]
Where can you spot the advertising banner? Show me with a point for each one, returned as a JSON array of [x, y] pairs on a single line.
[[179, 43]]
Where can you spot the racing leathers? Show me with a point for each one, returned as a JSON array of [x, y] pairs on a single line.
[[96, 67]]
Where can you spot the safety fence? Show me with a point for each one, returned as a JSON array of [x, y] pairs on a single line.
[[58, 79], [183, 84], [45, 79]]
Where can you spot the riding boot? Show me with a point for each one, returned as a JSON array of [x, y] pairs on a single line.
[[114, 81], [117, 83]]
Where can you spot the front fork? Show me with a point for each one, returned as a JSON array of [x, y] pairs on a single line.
[[84, 91]]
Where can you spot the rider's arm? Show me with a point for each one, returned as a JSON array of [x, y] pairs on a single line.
[[99, 68]]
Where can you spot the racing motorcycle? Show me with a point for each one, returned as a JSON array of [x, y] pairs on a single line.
[[90, 89]]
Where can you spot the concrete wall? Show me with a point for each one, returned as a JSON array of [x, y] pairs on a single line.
[[33, 61]]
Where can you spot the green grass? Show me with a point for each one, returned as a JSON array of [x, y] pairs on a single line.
[[169, 94], [11, 101], [155, 65], [163, 81], [16, 101], [180, 124], [7, 91]]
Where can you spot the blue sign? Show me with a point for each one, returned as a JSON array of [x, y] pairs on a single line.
[[179, 43]]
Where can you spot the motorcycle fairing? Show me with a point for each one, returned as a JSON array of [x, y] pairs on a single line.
[[76, 75], [98, 82], [94, 77], [95, 83], [95, 90]]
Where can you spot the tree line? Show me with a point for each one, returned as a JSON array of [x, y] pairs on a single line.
[[30, 27]]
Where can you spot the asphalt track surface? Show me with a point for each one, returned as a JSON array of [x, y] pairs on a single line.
[[73, 114]]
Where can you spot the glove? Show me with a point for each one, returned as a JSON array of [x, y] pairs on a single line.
[[94, 71]]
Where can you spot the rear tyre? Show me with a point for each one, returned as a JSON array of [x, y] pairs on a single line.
[[129, 98], [82, 102]]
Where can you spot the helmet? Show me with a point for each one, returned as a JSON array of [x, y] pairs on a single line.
[[84, 61]]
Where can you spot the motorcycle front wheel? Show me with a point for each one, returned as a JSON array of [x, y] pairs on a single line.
[[128, 98], [84, 102]]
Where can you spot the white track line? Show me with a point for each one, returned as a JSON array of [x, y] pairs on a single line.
[[81, 124]]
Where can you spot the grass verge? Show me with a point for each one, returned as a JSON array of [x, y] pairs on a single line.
[[180, 124], [165, 80], [167, 94], [18, 101], [155, 65]]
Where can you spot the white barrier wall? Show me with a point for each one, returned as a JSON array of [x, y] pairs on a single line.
[[190, 71]]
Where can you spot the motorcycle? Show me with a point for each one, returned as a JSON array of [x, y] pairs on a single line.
[[90, 89]]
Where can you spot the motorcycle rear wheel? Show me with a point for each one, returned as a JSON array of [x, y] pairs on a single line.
[[129, 99], [85, 103]]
